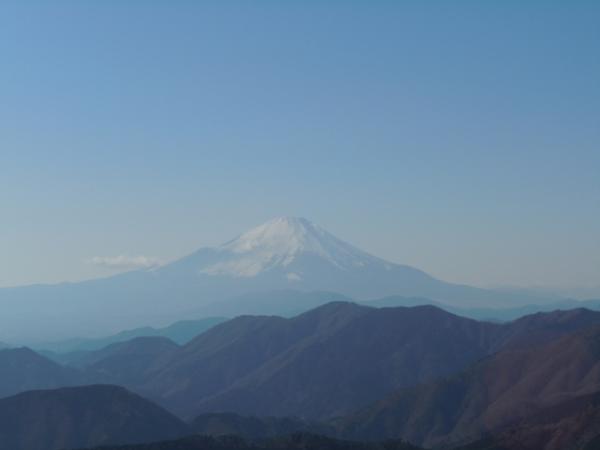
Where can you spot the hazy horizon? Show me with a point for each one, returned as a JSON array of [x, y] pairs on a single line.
[[460, 140], [114, 265]]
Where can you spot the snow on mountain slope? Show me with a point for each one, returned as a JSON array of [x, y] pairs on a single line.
[[282, 255], [278, 243]]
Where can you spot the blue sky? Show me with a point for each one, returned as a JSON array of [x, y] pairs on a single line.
[[460, 137]]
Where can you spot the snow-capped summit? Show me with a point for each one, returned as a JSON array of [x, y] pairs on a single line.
[[292, 253], [278, 243], [284, 265]]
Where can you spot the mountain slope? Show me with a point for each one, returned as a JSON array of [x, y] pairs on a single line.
[[541, 328], [220, 357], [82, 417], [21, 369], [570, 425], [290, 252], [503, 388], [282, 254], [332, 373], [126, 363], [377, 352], [326, 362]]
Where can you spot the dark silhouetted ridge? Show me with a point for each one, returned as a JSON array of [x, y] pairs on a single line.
[[82, 417]]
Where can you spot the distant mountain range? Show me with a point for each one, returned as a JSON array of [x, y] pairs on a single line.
[[286, 303], [282, 254], [488, 314], [335, 358], [180, 332], [345, 370]]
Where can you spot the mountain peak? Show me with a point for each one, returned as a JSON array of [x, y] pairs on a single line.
[[278, 243], [284, 234]]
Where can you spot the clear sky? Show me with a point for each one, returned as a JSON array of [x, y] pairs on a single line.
[[461, 137]]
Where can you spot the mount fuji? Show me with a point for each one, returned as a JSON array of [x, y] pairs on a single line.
[[294, 253], [286, 259]]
